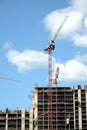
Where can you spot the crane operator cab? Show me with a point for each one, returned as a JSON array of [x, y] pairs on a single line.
[[50, 47]]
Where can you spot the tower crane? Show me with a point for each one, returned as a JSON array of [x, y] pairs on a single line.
[[49, 50]]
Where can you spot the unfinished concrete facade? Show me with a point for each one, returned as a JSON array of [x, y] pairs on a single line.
[[69, 108], [14, 120]]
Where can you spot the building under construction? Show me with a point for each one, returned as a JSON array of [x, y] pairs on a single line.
[[69, 108], [69, 111], [14, 120]]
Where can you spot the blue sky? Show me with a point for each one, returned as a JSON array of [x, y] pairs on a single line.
[[26, 27]]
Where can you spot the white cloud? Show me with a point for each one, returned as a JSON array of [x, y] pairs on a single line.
[[72, 25], [82, 58], [80, 5], [80, 40], [27, 59], [75, 25], [72, 70]]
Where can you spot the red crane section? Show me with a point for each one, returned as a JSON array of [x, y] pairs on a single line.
[[49, 50], [56, 75]]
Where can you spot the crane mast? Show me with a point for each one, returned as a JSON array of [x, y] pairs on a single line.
[[49, 50]]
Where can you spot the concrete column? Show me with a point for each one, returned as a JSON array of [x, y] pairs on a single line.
[[86, 100], [23, 119], [35, 108], [6, 126], [74, 109], [35, 111], [79, 107], [31, 120]]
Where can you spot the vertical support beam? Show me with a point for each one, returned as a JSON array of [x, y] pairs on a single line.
[[6, 126], [23, 119], [31, 119], [86, 100], [35, 109], [79, 107], [74, 109]]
